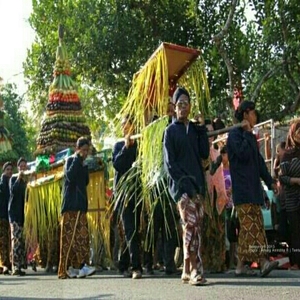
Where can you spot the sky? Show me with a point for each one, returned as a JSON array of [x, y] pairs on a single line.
[[16, 37]]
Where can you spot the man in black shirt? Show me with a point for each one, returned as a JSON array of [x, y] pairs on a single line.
[[124, 155], [185, 146]]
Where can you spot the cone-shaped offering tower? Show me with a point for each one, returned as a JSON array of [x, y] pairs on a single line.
[[64, 122]]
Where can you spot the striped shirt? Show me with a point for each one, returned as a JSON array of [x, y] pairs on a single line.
[[288, 170]]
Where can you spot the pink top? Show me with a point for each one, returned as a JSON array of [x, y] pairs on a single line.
[[217, 181]]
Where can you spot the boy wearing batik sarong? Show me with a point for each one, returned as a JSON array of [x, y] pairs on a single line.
[[247, 166], [185, 146], [17, 186], [74, 236], [4, 224]]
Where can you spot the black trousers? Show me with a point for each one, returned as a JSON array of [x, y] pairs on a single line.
[[294, 227], [131, 253], [284, 227], [164, 219]]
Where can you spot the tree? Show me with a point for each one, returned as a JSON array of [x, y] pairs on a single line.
[[110, 40], [275, 79], [14, 121], [105, 50]]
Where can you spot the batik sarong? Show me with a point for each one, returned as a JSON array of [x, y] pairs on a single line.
[[74, 242], [252, 242], [17, 246], [4, 243], [191, 215]]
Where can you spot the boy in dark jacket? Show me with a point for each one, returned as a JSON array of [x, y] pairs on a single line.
[[74, 239], [124, 155], [17, 186], [185, 146], [247, 166]]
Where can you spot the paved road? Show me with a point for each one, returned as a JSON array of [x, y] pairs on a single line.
[[108, 285]]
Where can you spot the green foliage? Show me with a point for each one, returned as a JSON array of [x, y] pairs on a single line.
[[109, 41], [31, 125], [277, 53], [14, 123]]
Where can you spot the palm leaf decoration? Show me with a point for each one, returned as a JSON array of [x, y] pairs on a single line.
[[149, 95], [195, 81], [42, 212]]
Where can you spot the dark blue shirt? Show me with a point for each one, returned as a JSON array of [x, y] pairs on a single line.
[[4, 197], [122, 159], [16, 200], [76, 179], [184, 148], [247, 167]]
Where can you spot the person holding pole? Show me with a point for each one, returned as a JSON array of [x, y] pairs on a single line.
[[185, 145], [247, 167], [129, 208]]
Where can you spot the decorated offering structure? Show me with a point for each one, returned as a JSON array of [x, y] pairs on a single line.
[[149, 96], [64, 122], [154, 84], [63, 125]]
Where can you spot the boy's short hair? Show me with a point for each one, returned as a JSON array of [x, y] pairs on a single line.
[[21, 159]]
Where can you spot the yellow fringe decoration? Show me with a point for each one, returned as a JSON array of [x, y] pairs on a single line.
[[151, 154], [99, 224], [42, 211], [148, 94], [195, 81]]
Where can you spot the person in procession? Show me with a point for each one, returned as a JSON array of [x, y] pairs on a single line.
[[247, 167], [123, 157], [74, 236], [289, 176], [213, 246], [185, 145], [16, 204], [4, 223], [232, 226]]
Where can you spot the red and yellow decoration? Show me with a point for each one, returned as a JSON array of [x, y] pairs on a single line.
[[64, 122]]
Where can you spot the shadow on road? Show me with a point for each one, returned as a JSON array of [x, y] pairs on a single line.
[[105, 296], [255, 283]]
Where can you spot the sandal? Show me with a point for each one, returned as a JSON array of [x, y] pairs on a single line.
[[197, 280], [268, 267], [245, 272], [185, 278], [292, 268]]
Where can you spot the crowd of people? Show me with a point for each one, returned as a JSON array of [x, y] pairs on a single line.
[[217, 193], [214, 200]]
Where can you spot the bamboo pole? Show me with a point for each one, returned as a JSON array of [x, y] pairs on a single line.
[[209, 134]]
